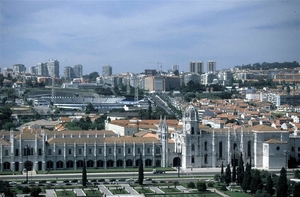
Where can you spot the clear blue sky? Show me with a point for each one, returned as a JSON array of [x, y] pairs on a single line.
[[135, 35]]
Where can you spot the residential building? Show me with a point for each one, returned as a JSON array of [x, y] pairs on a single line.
[[211, 66]]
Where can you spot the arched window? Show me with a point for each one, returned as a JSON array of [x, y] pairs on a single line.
[[205, 145], [234, 146], [220, 149], [157, 150]]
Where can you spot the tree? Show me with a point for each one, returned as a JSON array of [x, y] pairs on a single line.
[[282, 186], [247, 178], [35, 191], [4, 188], [228, 175], [240, 170], [269, 185], [84, 176], [141, 170], [296, 191], [256, 183], [233, 169], [222, 173], [201, 186], [261, 193]]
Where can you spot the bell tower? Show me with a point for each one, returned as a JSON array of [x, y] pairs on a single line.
[[191, 138]]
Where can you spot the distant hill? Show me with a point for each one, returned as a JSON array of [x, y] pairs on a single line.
[[267, 66]]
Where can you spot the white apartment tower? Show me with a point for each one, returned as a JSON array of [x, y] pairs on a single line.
[[53, 68], [211, 66]]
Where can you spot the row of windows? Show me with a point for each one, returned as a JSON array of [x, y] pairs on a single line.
[[30, 151], [109, 151]]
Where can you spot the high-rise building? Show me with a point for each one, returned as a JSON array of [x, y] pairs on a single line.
[[19, 68], [77, 69], [175, 67], [106, 70], [42, 69], [33, 70], [196, 67], [211, 66], [73, 72], [53, 68]]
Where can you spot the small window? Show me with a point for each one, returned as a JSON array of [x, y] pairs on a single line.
[[129, 151], [120, 151], [40, 151], [193, 147], [139, 150], [205, 145], [277, 148], [80, 151], [298, 148], [205, 158], [6, 152], [59, 151], [70, 151], [193, 159], [293, 149], [17, 152], [90, 151], [49, 152], [148, 150], [109, 151], [100, 150]]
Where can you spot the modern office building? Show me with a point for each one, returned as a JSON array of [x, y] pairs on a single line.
[[196, 67], [211, 66], [106, 70]]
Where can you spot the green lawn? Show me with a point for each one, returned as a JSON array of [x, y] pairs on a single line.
[[93, 192], [144, 190], [237, 194], [202, 194], [65, 193], [169, 190], [118, 191]]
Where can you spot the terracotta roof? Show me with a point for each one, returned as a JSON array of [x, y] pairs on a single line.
[[4, 142], [262, 128]]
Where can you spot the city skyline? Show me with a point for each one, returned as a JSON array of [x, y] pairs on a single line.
[[134, 36]]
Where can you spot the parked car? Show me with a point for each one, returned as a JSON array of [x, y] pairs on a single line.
[[148, 179], [74, 181], [122, 179], [101, 180]]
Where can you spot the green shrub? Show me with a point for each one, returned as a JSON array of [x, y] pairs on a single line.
[[223, 188], [201, 186], [26, 190], [191, 185], [210, 184]]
